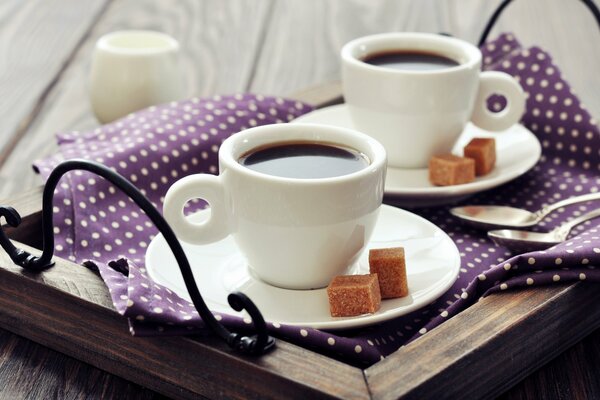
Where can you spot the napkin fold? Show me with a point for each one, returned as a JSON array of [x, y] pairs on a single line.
[[98, 226]]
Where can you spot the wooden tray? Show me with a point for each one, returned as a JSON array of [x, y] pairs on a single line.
[[479, 353]]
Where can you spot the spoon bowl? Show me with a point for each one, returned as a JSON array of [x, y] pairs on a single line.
[[491, 217], [498, 217], [519, 241]]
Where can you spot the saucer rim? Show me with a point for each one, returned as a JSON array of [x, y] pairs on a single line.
[[347, 322], [453, 191]]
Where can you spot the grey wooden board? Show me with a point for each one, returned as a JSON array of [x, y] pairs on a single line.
[[220, 42], [565, 28], [304, 39], [37, 38]]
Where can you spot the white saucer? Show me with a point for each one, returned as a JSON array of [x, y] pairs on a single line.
[[432, 261], [517, 148]]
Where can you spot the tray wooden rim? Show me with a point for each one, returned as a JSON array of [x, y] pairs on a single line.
[[479, 353]]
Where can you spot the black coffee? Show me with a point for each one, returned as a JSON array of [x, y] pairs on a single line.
[[304, 160], [410, 60]]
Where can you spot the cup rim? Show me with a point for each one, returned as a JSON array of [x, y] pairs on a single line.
[[228, 152], [471, 51], [106, 42]]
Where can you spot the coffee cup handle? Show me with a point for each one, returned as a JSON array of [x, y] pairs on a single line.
[[203, 186], [495, 82]]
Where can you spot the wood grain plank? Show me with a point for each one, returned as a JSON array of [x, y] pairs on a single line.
[[304, 38], [31, 371], [37, 38], [572, 375], [68, 309], [220, 42], [566, 29], [490, 346], [29, 207]]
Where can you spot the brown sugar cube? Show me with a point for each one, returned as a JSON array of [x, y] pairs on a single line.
[[351, 295], [390, 267], [448, 169], [483, 151]]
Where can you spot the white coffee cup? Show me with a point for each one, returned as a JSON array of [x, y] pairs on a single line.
[[295, 233], [416, 114], [132, 70]]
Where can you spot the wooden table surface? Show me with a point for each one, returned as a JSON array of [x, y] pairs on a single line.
[[230, 46]]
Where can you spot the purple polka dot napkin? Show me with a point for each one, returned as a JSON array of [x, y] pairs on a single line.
[[98, 226]]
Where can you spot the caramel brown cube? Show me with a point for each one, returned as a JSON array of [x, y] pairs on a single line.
[[448, 169], [351, 295], [390, 267], [483, 151]]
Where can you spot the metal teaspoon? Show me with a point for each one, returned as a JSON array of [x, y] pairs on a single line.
[[491, 217], [523, 241]]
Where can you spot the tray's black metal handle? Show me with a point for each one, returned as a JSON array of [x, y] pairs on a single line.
[[492, 21], [256, 344]]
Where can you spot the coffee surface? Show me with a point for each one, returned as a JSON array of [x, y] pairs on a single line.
[[303, 160], [410, 60]]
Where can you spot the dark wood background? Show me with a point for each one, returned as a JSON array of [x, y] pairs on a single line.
[[264, 46]]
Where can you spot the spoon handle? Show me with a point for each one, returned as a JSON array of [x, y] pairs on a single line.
[[565, 228], [567, 202]]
